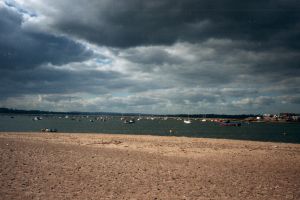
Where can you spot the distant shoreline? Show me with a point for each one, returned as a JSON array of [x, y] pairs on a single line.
[[200, 115], [246, 118]]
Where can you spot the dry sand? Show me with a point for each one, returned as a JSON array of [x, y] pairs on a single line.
[[102, 166]]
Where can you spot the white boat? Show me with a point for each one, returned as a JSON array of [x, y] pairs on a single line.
[[187, 121], [122, 118], [204, 118], [130, 121], [37, 118], [139, 118]]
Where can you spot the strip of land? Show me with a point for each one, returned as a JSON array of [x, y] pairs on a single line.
[[106, 166]]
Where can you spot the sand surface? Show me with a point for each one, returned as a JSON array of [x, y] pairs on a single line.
[[103, 166]]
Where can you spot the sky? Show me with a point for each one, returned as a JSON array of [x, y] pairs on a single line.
[[158, 56]]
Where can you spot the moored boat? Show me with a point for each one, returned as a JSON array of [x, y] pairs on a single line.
[[228, 123], [187, 121], [37, 118], [129, 121], [48, 130]]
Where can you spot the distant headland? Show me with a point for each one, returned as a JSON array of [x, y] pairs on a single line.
[[281, 117]]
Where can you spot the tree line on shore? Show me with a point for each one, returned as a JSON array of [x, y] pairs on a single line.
[[40, 112]]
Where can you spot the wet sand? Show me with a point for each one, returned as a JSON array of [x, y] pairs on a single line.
[[105, 166]]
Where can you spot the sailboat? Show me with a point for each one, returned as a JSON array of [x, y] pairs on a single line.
[[139, 118], [187, 121], [129, 121], [204, 119]]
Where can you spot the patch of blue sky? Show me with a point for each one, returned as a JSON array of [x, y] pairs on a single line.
[[103, 61]]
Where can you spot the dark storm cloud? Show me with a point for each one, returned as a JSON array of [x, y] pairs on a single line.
[[218, 56], [217, 63], [21, 48], [48, 80], [59, 98], [137, 22], [291, 99]]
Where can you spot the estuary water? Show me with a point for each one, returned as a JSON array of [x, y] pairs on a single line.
[[275, 132]]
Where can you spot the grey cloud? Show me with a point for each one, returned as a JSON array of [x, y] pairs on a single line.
[[294, 99], [188, 55], [186, 96], [135, 101], [55, 98], [236, 93], [151, 55], [259, 101], [135, 22], [216, 63], [50, 80], [21, 48]]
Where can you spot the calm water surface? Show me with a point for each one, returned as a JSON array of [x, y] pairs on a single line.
[[253, 131]]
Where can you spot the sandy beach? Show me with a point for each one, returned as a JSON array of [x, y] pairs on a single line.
[[106, 166]]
